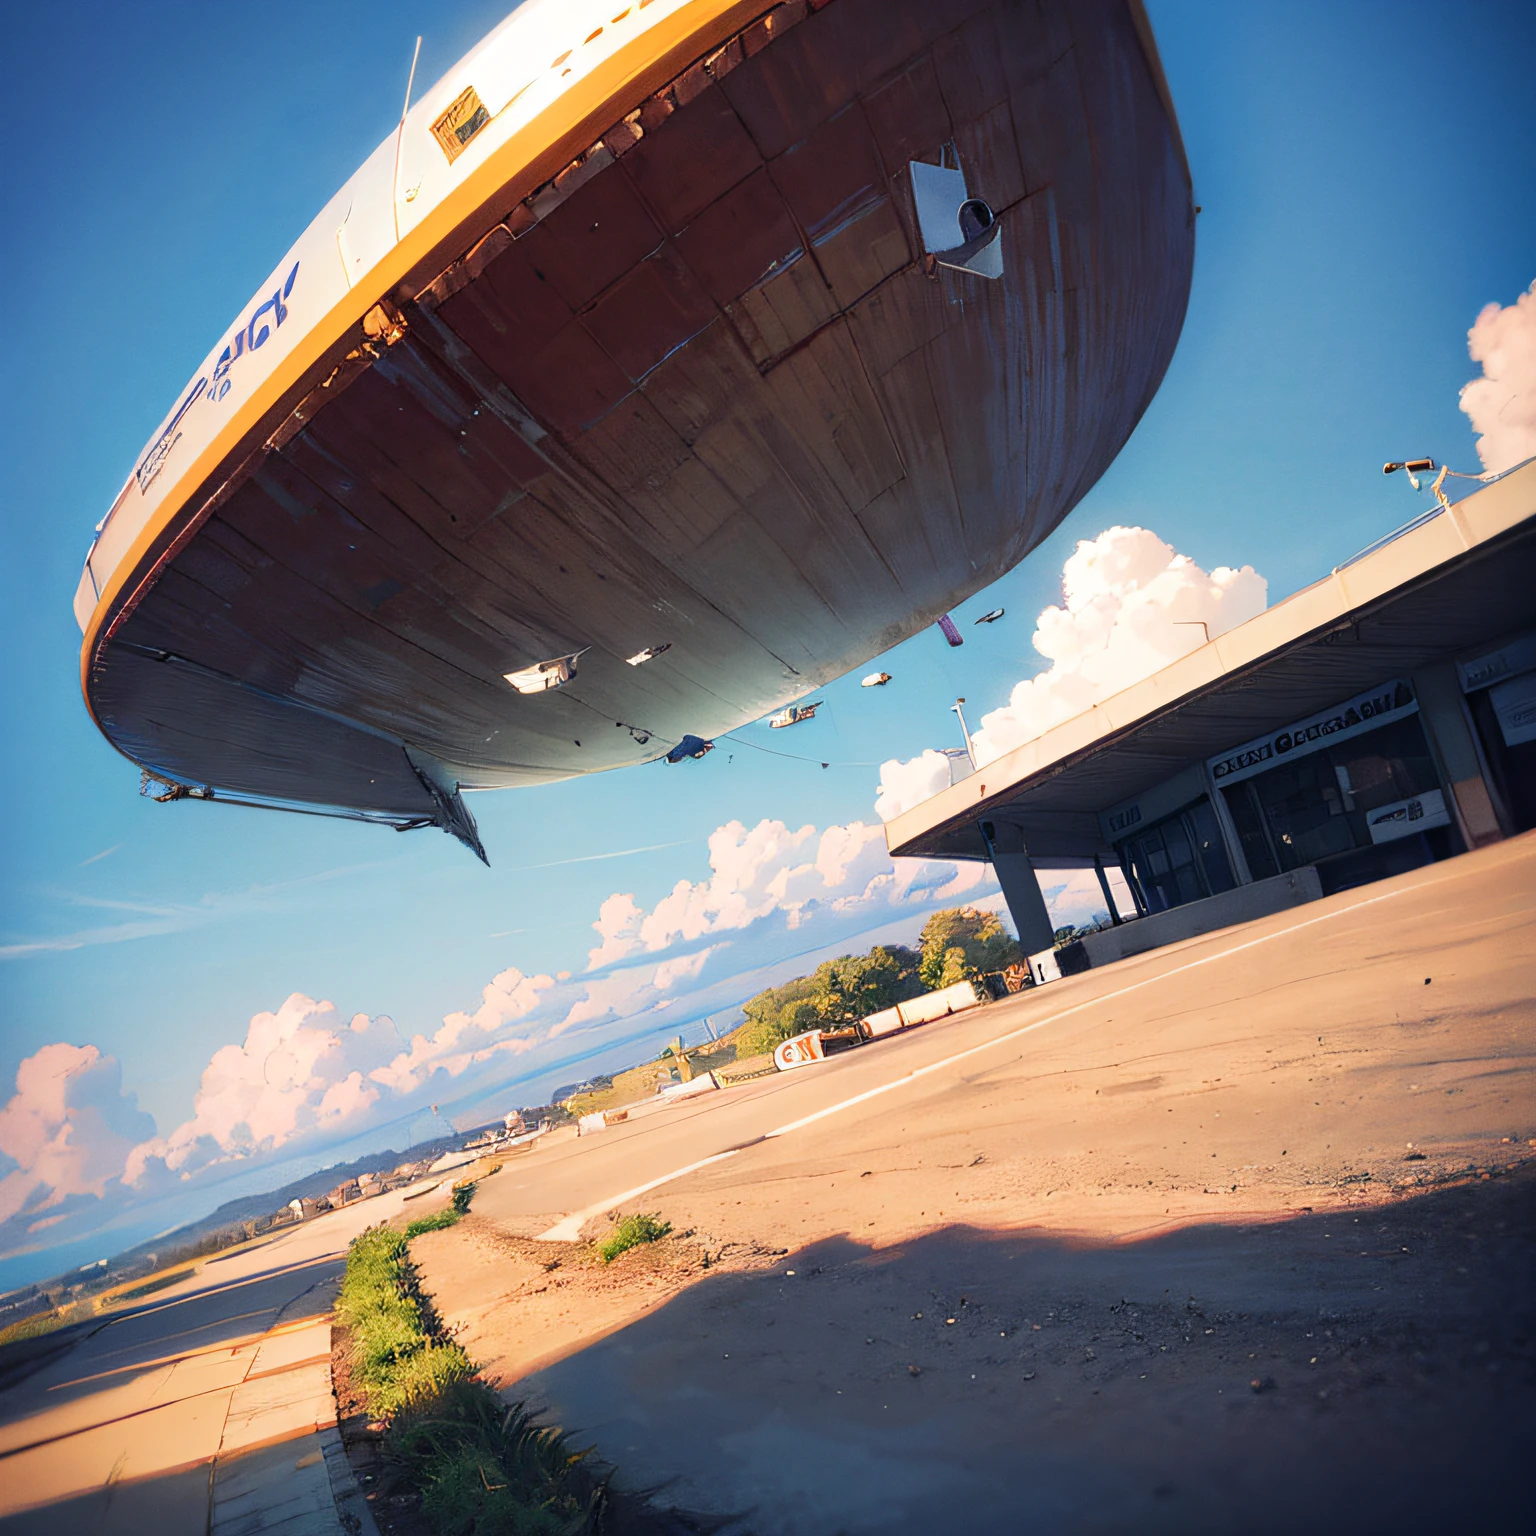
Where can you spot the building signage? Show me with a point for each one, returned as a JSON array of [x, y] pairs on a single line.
[[1122, 820], [1405, 817], [1364, 712], [247, 338], [1514, 705], [1152, 805], [1518, 656]]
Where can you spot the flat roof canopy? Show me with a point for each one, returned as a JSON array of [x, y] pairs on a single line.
[[1456, 581]]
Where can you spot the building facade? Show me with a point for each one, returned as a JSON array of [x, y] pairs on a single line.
[[1378, 721]]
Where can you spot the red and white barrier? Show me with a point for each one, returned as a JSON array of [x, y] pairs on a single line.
[[798, 1051], [802, 1050]]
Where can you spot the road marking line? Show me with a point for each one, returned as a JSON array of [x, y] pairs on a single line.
[[569, 1229]]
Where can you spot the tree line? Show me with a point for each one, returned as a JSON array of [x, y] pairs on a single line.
[[957, 944]]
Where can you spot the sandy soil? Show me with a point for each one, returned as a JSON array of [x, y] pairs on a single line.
[[518, 1304], [1251, 1245]]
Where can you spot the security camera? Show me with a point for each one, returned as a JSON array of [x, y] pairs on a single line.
[[1413, 466], [976, 218]]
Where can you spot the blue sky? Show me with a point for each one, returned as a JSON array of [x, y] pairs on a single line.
[[1365, 172]]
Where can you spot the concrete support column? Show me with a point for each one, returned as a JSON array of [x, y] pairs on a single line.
[[1451, 740], [1016, 875], [1109, 895]]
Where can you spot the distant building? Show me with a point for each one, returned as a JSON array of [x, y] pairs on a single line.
[[26, 1302]]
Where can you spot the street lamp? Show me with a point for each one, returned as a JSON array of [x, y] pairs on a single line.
[[970, 751]]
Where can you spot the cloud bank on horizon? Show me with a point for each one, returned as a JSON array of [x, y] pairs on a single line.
[[1130, 605], [1502, 404], [77, 1154]]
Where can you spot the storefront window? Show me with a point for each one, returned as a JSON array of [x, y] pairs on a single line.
[[1178, 859], [1501, 698], [1317, 806], [1249, 821]]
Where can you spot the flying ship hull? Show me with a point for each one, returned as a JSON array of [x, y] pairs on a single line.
[[627, 348]]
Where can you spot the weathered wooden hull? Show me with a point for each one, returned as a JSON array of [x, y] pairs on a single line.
[[700, 393]]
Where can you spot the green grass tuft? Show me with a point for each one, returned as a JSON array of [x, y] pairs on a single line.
[[462, 1195], [630, 1233], [482, 1469], [33, 1327], [447, 1217], [398, 1353]]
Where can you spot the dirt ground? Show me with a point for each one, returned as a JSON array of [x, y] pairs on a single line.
[[1243, 1245]]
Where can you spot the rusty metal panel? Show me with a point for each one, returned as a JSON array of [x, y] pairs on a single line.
[[510, 310], [692, 159], [180, 721], [973, 70], [632, 448], [781, 312], [832, 174], [785, 91], [990, 140], [908, 117], [593, 238], [823, 385], [705, 383], [857, 256], [740, 238], [569, 383], [649, 313]]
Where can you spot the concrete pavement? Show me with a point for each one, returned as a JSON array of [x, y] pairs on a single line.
[[1341, 959], [1236, 1235], [205, 1412]]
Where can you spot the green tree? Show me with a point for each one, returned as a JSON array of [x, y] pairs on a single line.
[[837, 992], [956, 967], [960, 943], [775, 1014], [855, 986]]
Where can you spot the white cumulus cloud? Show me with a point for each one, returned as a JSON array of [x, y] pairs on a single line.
[[292, 1073], [771, 872], [468, 1038], [1130, 605], [905, 784], [65, 1135], [1502, 404], [307, 1077]]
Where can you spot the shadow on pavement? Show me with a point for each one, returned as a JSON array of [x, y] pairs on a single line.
[[166, 1504], [1368, 1369]]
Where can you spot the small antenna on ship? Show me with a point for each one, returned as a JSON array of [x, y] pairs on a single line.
[[400, 139]]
